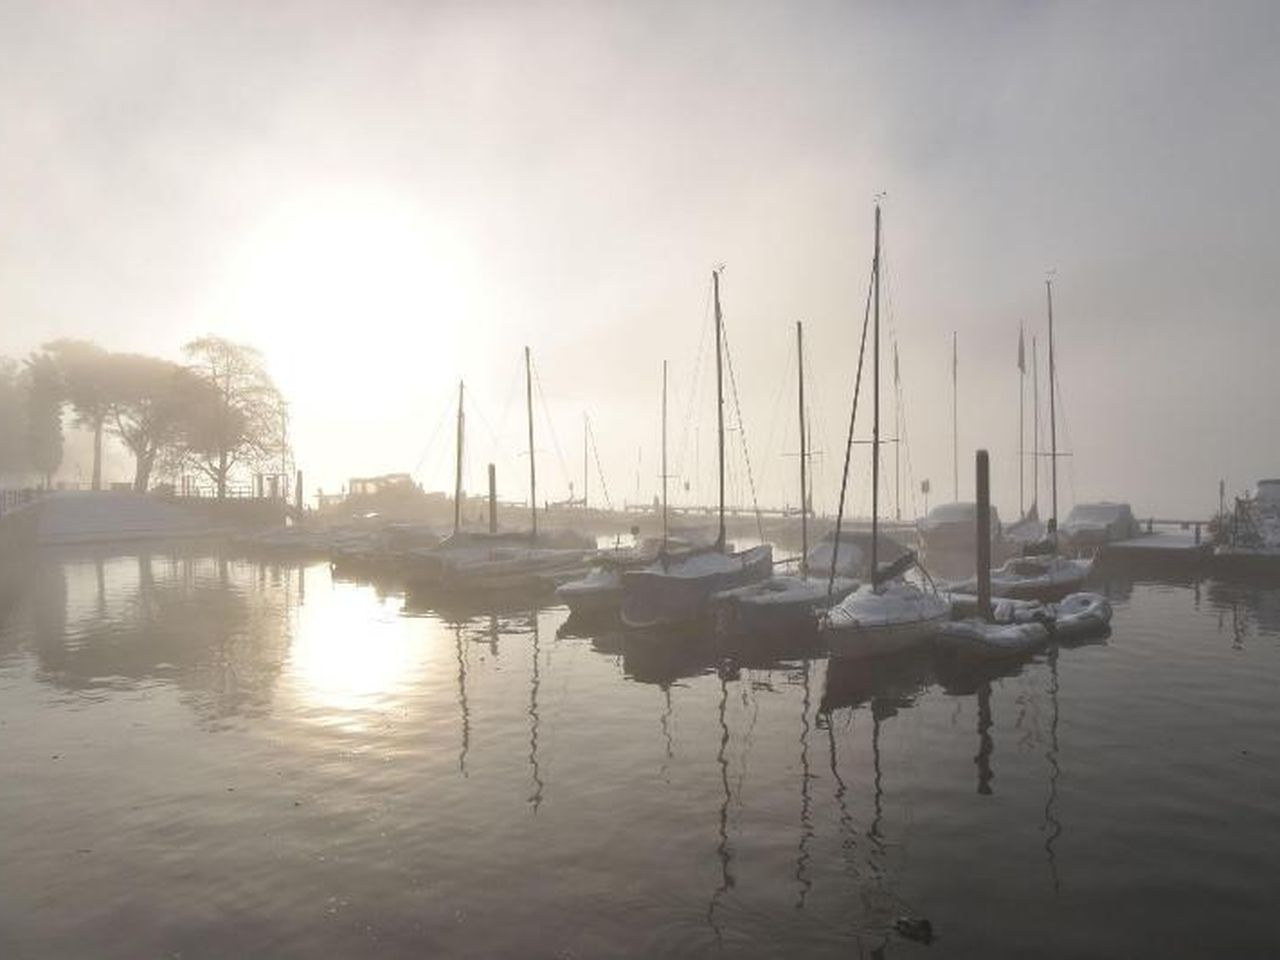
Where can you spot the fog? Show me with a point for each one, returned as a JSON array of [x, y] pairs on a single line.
[[387, 198]]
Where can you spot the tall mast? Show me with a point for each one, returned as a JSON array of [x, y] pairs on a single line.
[[897, 441], [533, 473], [1053, 419], [715, 284], [586, 432], [664, 454], [804, 454], [955, 426], [1022, 431], [457, 476], [1035, 426], [875, 423]]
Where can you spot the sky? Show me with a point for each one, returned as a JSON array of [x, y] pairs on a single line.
[[387, 198]]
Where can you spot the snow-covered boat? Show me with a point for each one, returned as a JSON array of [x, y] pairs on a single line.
[[677, 590], [888, 613], [1080, 615], [1045, 578], [597, 594], [789, 604]]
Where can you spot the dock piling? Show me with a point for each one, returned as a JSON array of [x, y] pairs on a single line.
[[493, 499], [983, 487]]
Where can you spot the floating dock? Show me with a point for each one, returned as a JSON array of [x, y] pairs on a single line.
[[1162, 551]]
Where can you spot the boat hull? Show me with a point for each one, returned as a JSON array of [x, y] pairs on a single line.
[[655, 599]]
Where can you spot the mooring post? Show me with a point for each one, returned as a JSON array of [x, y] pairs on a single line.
[[984, 534], [493, 499], [297, 494]]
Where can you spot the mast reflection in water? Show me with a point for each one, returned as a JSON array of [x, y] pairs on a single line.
[[214, 757]]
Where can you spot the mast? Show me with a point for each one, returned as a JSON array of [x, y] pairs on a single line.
[[457, 476], [875, 408], [715, 284], [533, 473], [955, 427], [664, 455], [1035, 426], [804, 485], [1053, 419], [1022, 398], [897, 437], [586, 433]]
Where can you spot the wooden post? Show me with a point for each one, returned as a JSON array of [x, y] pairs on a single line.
[[297, 494], [493, 499], [983, 485]]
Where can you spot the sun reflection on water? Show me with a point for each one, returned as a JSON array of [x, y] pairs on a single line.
[[353, 656]]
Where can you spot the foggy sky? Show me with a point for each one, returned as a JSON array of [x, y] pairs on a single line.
[[565, 175]]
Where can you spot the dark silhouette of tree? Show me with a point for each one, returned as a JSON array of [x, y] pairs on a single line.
[[90, 385], [154, 401], [43, 416], [13, 427], [240, 423]]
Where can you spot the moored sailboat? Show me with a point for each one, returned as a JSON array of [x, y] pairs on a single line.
[[676, 590], [889, 613]]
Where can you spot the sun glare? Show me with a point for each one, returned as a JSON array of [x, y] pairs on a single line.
[[352, 655], [339, 278]]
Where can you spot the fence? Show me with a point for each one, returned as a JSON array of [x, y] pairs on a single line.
[[11, 500]]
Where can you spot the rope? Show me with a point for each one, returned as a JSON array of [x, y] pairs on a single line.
[[742, 432], [551, 427], [604, 484], [848, 449]]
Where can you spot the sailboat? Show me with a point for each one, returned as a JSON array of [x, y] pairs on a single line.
[[676, 590], [889, 613], [788, 603], [485, 563], [1041, 573], [597, 595]]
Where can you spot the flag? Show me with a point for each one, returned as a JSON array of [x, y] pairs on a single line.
[[1022, 352]]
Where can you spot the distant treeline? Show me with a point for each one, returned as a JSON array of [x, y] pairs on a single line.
[[215, 415]]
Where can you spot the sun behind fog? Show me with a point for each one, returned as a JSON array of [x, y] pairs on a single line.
[[353, 282]]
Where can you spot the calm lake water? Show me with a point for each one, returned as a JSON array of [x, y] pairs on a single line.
[[208, 757]]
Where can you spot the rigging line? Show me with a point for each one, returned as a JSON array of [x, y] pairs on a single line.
[[604, 484], [695, 386], [848, 449], [742, 432], [783, 383], [551, 427], [444, 414], [499, 453]]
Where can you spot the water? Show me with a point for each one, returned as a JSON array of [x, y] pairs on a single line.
[[211, 757]]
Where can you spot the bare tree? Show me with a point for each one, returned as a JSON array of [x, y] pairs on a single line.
[[237, 420]]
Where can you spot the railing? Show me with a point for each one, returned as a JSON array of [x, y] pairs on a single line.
[[11, 500], [1152, 522]]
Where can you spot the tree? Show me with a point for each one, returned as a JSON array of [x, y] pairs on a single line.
[[13, 454], [44, 416], [238, 418], [153, 399], [90, 385]]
